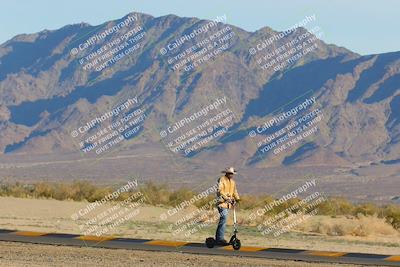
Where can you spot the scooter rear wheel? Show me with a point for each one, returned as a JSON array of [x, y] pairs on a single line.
[[210, 242]]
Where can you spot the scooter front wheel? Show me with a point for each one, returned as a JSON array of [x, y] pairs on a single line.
[[236, 244]]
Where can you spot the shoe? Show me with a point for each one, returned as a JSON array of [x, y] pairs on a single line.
[[222, 242]]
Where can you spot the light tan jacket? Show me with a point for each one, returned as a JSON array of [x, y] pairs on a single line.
[[226, 189]]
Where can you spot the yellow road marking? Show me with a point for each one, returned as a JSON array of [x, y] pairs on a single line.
[[166, 243], [94, 238], [28, 233], [326, 253], [393, 258]]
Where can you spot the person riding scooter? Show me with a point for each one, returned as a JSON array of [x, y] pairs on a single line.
[[227, 196]]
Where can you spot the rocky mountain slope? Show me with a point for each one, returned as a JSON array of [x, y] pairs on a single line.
[[54, 84]]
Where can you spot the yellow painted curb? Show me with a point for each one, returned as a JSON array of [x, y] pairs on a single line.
[[326, 253], [29, 233], [393, 258]]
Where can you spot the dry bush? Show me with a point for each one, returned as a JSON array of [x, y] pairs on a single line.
[[336, 206], [43, 190], [392, 215], [366, 209], [61, 192], [155, 194], [179, 196], [249, 202], [206, 202], [100, 193], [16, 190], [360, 225]]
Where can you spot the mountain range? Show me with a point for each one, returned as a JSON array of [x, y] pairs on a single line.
[[53, 83]]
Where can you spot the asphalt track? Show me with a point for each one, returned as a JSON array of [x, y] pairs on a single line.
[[198, 248]]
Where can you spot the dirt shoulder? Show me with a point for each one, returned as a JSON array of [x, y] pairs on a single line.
[[15, 254]]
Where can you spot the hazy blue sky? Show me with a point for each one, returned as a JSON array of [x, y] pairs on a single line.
[[364, 26]]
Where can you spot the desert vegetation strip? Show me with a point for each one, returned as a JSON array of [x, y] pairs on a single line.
[[162, 195]]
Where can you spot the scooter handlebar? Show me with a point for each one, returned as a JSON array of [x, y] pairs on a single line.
[[234, 202]]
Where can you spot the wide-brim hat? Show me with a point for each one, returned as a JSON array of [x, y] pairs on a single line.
[[230, 170]]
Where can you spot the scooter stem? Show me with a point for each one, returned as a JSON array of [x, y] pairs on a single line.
[[234, 215], [235, 230]]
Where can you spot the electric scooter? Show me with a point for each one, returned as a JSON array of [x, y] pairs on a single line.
[[234, 241]]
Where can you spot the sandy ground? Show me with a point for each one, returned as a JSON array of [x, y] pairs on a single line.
[[17, 255], [55, 216]]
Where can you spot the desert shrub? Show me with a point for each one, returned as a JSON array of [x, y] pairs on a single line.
[[291, 203], [180, 195], [61, 191], [155, 194], [100, 192], [335, 207], [82, 190], [373, 225], [279, 208], [249, 202], [366, 209], [266, 200], [206, 202], [43, 190], [361, 225], [16, 190], [392, 215]]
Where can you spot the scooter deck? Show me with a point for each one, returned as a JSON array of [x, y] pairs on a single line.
[[213, 244]]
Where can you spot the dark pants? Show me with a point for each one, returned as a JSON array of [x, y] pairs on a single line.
[[223, 216]]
